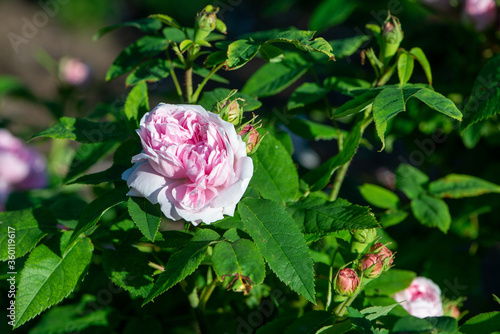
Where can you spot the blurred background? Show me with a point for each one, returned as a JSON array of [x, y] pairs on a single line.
[[38, 36]]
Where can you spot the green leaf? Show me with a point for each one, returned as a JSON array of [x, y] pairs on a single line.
[[14, 87], [460, 186], [310, 322], [393, 218], [347, 46], [321, 217], [422, 59], [484, 323], [275, 176], [183, 263], [166, 19], [216, 58], [72, 318], [93, 211], [320, 177], [387, 104], [128, 268], [50, 274], [390, 282], [86, 156], [432, 212], [204, 72], [330, 13], [137, 103], [496, 299], [438, 102], [405, 67], [241, 52], [379, 196], [152, 70], [173, 239], [133, 55], [272, 78], [345, 85], [410, 180], [280, 242], [84, 131], [145, 215], [209, 99], [306, 93], [412, 324], [375, 312], [271, 53], [356, 105], [444, 324], [26, 228], [147, 25], [112, 174], [311, 130], [241, 257], [485, 95]]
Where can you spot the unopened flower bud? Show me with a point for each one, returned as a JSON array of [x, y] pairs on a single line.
[[232, 112], [370, 265], [451, 310], [383, 252], [392, 36], [206, 22], [361, 239], [346, 282], [251, 137]]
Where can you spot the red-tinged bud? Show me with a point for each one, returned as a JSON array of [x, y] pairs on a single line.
[[346, 282], [251, 137], [451, 311], [370, 265], [232, 112], [383, 252]]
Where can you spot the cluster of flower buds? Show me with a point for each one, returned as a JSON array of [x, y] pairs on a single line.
[[231, 110], [377, 260]]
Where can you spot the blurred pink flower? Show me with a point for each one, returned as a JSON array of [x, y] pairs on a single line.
[[193, 164], [74, 72], [482, 13], [421, 299], [21, 167]]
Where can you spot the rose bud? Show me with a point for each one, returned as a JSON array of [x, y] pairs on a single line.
[[361, 239], [392, 35], [346, 282], [231, 111], [205, 23], [74, 72], [482, 13], [370, 265], [383, 252], [251, 137], [451, 310]]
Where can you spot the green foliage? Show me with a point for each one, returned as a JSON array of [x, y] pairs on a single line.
[[281, 243], [147, 25], [481, 324], [26, 228], [389, 283], [330, 13], [379, 197], [137, 104], [183, 263], [460, 186], [432, 212], [145, 215], [51, 273], [275, 176]]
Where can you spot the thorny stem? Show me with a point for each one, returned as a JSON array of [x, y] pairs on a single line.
[[197, 93]]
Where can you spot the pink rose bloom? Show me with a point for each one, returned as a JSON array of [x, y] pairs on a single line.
[[421, 299], [482, 13], [193, 163], [21, 167], [74, 72]]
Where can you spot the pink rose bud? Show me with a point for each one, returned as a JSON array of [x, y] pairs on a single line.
[[370, 265], [21, 167], [346, 282], [74, 72], [193, 163], [482, 13], [251, 136], [383, 252], [421, 299]]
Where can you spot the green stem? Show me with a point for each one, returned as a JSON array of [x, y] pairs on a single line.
[[348, 302], [205, 295], [339, 179], [174, 79], [189, 84], [197, 93]]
